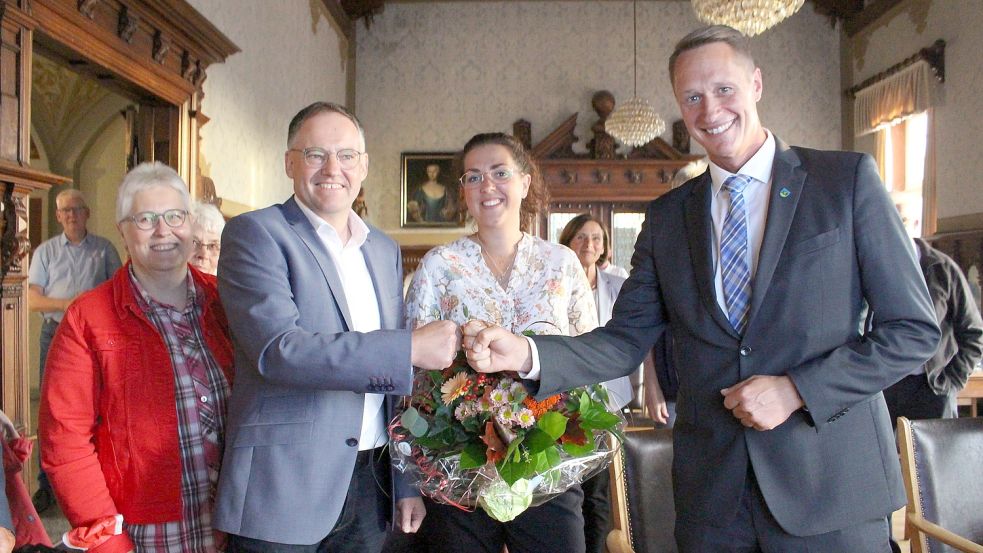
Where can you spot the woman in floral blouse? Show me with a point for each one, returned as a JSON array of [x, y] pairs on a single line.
[[502, 275]]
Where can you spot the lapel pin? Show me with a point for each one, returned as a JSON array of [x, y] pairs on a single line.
[[784, 192]]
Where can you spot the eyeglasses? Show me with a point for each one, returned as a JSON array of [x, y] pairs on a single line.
[[147, 220], [75, 210], [500, 175], [210, 247], [317, 157]]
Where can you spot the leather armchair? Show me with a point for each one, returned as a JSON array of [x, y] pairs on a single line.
[[940, 461], [643, 514]]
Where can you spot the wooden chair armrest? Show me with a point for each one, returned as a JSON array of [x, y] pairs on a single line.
[[943, 535], [618, 542]]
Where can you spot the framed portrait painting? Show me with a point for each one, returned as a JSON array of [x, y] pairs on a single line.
[[430, 191]]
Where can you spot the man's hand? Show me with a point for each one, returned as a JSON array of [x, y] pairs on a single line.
[[409, 514], [492, 349], [6, 540], [435, 345], [762, 402]]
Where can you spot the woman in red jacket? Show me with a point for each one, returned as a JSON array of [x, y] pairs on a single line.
[[137, 378]]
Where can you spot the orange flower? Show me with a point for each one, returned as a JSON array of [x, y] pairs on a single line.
[[454, 388], [538, 408]]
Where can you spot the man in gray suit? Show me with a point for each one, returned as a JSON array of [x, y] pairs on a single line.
[[314, 300], [760, 268]]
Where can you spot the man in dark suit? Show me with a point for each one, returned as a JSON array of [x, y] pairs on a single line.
[[760, 268], [314, 300]]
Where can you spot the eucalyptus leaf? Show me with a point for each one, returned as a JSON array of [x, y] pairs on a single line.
[[412, 421]]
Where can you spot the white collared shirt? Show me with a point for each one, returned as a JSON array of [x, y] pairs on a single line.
[[359, 291], [756, 197]]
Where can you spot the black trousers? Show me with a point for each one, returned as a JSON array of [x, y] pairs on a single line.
[[361, 526], [597, 510], [754, 530], [554, 526], [913, 398]]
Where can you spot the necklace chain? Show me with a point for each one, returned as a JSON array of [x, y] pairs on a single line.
[[502, 277]]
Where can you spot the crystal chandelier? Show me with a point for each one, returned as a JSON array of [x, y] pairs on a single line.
[[634, 122], [750, 17]]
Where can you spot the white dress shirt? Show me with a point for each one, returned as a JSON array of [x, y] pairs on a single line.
[[359, 290], [756, 196]]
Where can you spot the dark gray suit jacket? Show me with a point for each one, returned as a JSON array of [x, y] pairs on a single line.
[[832, 240], [295, 414]]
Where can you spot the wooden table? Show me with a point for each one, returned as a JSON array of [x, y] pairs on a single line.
[[972, 392]]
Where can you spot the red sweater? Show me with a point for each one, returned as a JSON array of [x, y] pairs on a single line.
[[108, 419]]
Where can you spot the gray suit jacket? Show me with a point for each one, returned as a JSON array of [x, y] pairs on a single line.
[[832, 240], [295, 414]]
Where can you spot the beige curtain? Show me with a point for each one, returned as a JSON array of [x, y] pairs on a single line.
[[909, 91]]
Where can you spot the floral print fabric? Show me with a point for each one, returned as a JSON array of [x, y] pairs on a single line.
[[547, 291]]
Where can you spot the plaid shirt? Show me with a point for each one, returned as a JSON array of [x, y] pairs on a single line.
[[200, 391]]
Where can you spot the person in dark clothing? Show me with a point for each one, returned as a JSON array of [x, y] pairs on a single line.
[[930, 393]]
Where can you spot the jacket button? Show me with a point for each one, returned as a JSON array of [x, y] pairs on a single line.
[[390, 388], [745, 351], [351, 442]]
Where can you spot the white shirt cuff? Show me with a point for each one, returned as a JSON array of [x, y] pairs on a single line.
[[533, 373]]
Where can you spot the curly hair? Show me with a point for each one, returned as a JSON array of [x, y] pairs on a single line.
[[537, 197]]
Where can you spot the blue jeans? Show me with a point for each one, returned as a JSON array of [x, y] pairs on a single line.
[[48, 328]]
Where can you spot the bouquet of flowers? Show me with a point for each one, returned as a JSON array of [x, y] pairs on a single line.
[[480, 439]]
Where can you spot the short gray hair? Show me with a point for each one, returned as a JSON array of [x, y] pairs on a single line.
[[68, 194], [144, 176], [208, 217], [318, 108], [708, 35]]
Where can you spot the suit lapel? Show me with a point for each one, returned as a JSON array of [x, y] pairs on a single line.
[[786, 189], [302, 226], [699, 229], [376, 262]]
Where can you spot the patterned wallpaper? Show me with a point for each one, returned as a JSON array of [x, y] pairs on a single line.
[[430, 75], [291, 56], [914, 25]]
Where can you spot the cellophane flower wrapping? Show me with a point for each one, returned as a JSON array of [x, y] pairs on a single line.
[[469, 439]]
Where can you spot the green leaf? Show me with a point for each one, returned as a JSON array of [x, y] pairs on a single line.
[[473, 456], [553, 423], [513, 450], [578, 450], [412, 421], [537, 440], [598, 418], [511, 471]]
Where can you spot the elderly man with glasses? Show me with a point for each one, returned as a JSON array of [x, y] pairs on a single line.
[[132, 417], [62, 268]]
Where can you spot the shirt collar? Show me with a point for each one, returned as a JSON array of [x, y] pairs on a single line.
[[146, 302], [758, 167], [356, 226], [66, 242]]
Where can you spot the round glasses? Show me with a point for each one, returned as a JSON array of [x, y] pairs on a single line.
[[499, 175], [147, 220], [316, 157], [210, 247]]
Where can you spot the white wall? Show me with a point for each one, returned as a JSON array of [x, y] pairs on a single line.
[[958, 124], [292, 55], [430, 75]]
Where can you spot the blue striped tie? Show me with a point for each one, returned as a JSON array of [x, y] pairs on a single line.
[[734, 268]]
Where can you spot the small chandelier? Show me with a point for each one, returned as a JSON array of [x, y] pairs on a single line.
[[634, 122], [750, 17]]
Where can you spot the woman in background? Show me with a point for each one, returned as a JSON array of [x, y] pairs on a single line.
[[206, 236], [501, 274]]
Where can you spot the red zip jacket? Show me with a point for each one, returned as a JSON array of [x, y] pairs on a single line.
[[108, 420]]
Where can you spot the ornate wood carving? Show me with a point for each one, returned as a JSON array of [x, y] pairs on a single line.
[[641, 175], [88, 8], [127, 25], [161, 47]]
